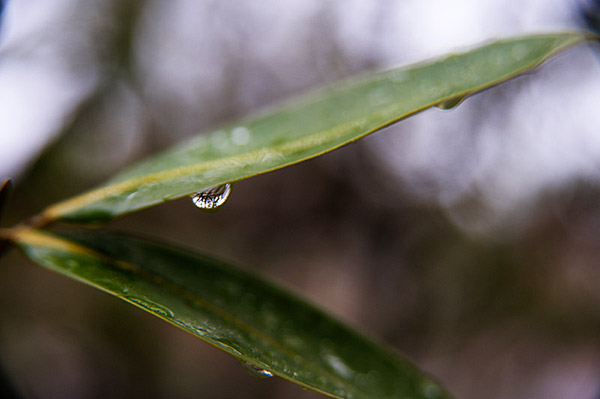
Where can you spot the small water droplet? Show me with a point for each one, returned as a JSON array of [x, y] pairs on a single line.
[[151, 306], [240, 135], [225, 343], [212, 198], [451, 103], [257, 371], [339, 366], [114, 285], [269, 156], [201, 332], [192, 327]]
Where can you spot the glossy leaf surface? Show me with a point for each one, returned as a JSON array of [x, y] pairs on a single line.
[[235, 311], [309, 127]]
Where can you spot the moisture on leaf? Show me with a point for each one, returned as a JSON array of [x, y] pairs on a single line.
[[309, 127], [271, 330]]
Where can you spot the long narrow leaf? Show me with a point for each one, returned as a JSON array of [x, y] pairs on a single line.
[[234, 311], [309, 127]]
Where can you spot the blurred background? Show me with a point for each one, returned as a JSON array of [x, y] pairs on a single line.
[[467, 239]]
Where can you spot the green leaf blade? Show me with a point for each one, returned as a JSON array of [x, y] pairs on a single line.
[[309, 127], [234, 311]]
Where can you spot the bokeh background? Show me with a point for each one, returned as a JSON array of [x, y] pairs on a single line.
[[467, 239]]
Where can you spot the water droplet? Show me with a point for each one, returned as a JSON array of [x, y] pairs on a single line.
[[339, 366], [225, 343], [240, 135], [114, 285], [201, 332], [192, 327], [269, 156], [212, 198], [256, 371], [451, 103], [131, 196], [151, 306]]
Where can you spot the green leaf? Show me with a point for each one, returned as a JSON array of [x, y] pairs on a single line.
[[235, 311], [309, 127]]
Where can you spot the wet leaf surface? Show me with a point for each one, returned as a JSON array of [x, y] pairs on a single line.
[[309, 127], [234, 310]]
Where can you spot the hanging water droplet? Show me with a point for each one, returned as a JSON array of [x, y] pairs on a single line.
[[451, 103], [256, 371], [212, 198]]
